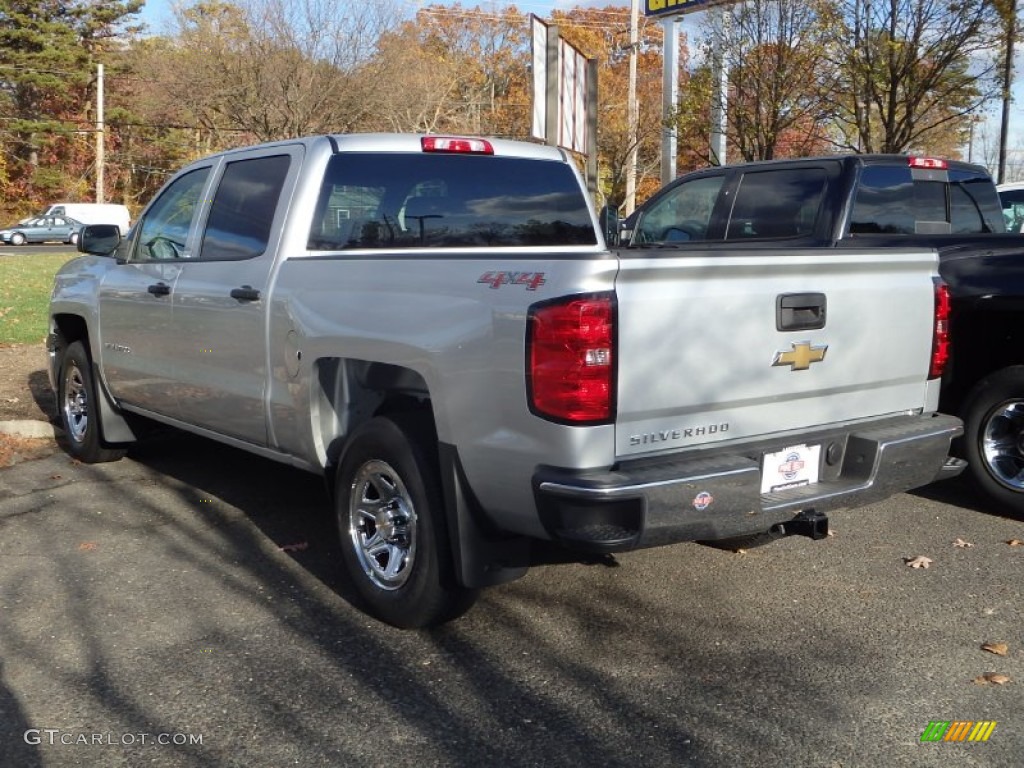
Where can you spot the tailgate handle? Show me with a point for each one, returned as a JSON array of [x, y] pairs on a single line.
[[800, 311], [159, 289]]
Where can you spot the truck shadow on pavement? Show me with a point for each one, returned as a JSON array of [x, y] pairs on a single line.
[[187, 615], [959, 492], [15, 747]]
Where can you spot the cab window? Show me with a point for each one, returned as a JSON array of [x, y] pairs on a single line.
[[163, 230], [682, 214], [777, 203], [243, 209]]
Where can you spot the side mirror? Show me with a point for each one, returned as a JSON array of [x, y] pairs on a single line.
[[609, 221], [99, 239]]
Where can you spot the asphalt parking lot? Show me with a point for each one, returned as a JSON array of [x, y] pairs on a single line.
[[184, 607]]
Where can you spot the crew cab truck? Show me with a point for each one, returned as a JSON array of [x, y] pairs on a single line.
[[437, 326], [844, 204]]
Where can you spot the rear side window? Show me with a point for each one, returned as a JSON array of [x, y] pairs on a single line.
[[390, 201], [243, 208], [974, 205], [777, 203]]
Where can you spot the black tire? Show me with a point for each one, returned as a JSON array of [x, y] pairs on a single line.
[[993, 441], [391, 523], [79, 411], [17, 238]]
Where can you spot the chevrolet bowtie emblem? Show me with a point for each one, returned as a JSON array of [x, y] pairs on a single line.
[[801, 356]]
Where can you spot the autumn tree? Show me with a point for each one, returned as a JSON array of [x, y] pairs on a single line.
[[48, 53], [774, 53], [908, 70], [270, 69]]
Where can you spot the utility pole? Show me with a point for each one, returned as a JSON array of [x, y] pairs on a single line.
[[720, 95], [1010, 22], [670, 98], [632, 108], [100, 159]]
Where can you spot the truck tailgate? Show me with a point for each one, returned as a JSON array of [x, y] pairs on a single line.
[[702, 359]]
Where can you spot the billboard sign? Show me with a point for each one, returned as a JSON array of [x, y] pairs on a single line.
[[670, 7]]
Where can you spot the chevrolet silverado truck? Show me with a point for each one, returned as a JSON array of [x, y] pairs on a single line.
[[880, 202], [437, 326]]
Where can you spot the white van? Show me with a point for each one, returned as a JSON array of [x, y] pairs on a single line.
[[93, 213]]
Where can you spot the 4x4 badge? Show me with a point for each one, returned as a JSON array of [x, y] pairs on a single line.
[[801, 356]]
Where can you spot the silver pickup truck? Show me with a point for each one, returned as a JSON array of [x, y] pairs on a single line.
[[436, 324]]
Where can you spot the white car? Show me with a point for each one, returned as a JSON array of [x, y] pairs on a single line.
[[1012, 197]]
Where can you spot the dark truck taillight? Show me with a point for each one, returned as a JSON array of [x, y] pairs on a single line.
[[940, 331], [570, 359]]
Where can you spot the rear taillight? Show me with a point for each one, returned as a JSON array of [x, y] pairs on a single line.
[[570, 350], [940, 332]]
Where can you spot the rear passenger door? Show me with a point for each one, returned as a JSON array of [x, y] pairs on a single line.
[[220, 297]]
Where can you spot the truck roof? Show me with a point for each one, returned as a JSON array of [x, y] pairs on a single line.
[[409, 142], [854, 159]]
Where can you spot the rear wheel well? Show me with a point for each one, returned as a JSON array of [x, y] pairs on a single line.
[[350, 392]]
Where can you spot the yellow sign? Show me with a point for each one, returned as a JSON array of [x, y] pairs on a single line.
[[667, 7]]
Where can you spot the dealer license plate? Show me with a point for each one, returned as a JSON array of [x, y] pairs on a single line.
[[790, 468]]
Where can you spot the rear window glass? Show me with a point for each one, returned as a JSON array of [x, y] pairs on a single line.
[[885, 202], [391, 201], [891, 201], [777, 203]]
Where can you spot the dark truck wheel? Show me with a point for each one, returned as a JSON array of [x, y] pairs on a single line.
[[994, 437], [79, 412], [390, 514]]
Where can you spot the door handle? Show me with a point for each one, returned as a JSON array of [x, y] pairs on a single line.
[[245, 293], [800, 311], [159, 289]]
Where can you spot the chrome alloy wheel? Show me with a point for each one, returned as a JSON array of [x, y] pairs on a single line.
[[1002, 444], [382, 525], [76, 403]]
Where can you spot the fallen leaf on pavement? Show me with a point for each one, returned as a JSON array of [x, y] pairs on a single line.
[[87, 546], [992, 677], [960, 543], [918, 562], [1015, 543], [999, 649], [295, 547]]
